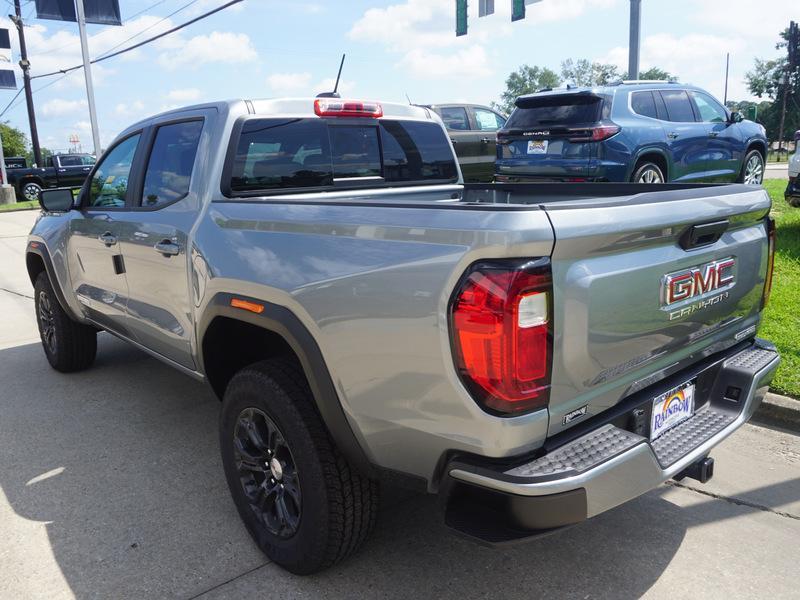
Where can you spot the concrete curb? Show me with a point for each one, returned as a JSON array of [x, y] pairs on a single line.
[[779, 411]]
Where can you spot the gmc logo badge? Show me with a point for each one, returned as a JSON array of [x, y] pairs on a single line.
[[698, 281]]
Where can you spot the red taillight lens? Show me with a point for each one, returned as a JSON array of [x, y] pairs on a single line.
[[771, 239], [334, 107], [596, 134], [501, 332]]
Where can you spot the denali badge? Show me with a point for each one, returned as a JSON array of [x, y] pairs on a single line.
[[698, 282], [540, 133]]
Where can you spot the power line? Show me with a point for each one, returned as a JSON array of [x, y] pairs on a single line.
[[140, 44], [172, 14], [76, 42]]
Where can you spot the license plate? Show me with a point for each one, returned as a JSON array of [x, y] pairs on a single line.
[[672, 408], [537, 146]]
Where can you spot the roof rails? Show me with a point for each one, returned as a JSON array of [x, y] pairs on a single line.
[[640, 81]]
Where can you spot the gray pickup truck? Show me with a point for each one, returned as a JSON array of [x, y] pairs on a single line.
[[533, 354]]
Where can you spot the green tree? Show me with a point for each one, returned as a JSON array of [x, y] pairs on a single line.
[[657, 74], [584, 73], [771, 78], [14, 141], [525, 80]]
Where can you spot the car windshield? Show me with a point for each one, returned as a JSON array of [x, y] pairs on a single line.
[[543, 111]]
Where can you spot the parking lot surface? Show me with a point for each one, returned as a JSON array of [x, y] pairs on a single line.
[[111, 487]]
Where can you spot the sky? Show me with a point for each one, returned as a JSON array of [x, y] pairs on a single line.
[[396, 49]]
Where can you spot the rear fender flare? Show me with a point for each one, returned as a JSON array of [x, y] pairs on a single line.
[[283, 322]]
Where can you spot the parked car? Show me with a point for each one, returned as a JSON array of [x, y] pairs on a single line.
[[61, 170], [644, 132], [535, 355], [792, 193], [473, 131]]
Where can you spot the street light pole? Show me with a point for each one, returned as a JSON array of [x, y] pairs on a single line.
[[26, 82], [87, 71], [635, 39]]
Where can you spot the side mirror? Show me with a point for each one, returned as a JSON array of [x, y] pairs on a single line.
[[736, 117], [57, 200]]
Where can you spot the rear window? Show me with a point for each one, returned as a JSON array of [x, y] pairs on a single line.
[[315, 153], [546, 111]]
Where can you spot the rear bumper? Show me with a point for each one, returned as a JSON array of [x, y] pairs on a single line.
[[604, 467]]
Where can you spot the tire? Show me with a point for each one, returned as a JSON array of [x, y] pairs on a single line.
[[268, 416], [752, 169], [29, 190], [68, 345], [648, 172]]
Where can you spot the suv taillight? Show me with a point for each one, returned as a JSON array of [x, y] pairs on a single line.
[[771, 238], [598, 133], [500, 320]]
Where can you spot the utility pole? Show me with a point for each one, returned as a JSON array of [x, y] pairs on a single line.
[[87, 71], [635, 39], [727, 70], [26, 78]]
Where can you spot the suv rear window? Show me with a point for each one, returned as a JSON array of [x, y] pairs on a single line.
[[316, 153], [546, 111]]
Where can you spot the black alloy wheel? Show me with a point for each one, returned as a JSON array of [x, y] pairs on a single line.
[[267, 472]]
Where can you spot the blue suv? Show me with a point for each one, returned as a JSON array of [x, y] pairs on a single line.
[[643, 132]]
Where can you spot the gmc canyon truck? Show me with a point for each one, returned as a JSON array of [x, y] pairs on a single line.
[[534, 354], [62, 170]]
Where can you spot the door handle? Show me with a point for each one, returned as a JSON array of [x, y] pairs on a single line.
[[453, 141], [672, 135], [167, 248], [108, 238], [713, 134], [485, 140]]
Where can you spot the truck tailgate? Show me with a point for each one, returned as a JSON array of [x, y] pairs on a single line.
[[642, 289]]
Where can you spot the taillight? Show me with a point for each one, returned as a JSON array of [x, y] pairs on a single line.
[[334, 107], [596, 134], [771, 238], [500, 319]]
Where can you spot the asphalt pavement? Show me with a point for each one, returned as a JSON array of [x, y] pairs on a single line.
[[111, 486]]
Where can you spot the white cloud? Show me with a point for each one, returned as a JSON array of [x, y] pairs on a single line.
[[185, 95], [469, 61], [130, 110], [216, 47], [286, 84], [58, 107], [679, 56], [421, 32]]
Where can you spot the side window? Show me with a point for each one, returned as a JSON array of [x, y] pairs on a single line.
[[455, 118], [488, 120], [169, 168], [282, 153], [679, 107], [644, 104], [355, 151], [109, 184], [710, 110]]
